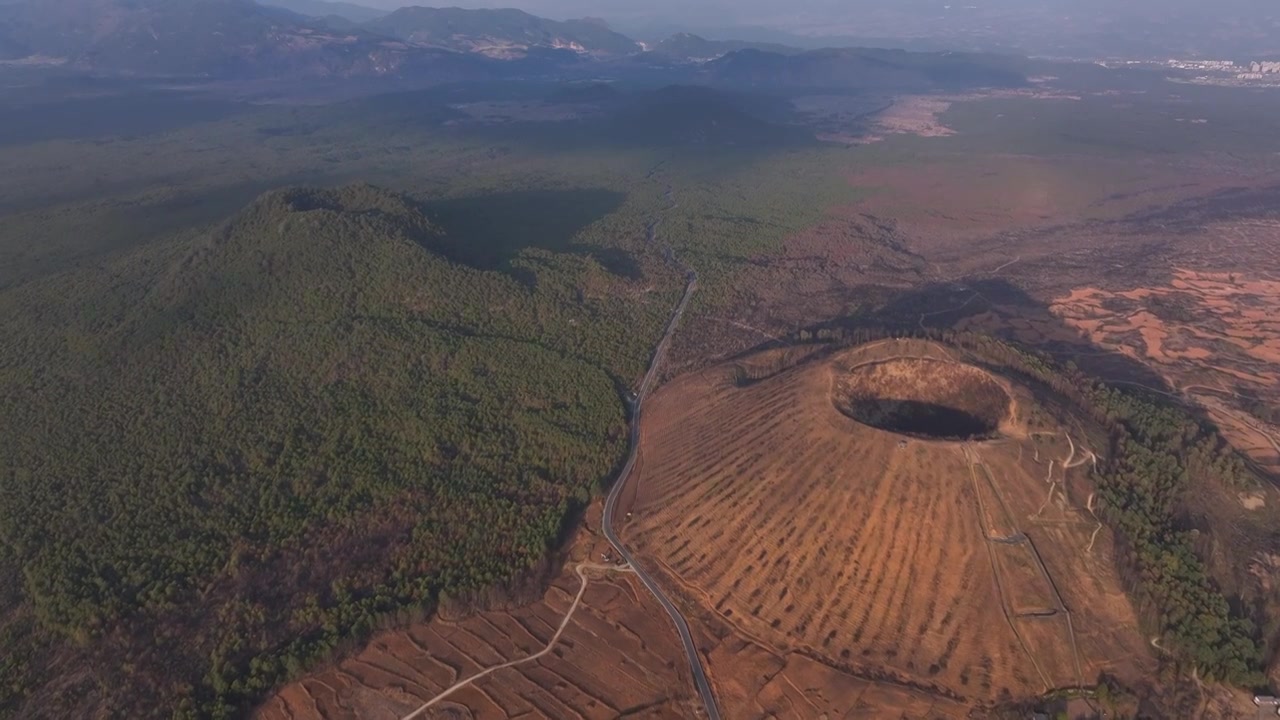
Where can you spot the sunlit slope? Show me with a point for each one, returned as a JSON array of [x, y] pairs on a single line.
[[941, 563]]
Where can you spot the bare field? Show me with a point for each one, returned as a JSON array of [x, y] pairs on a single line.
[[867, 120], [791, 686], [618, 656], [1167, 262], [919, 115], [1214, 337], [912, 115], [932, 566]]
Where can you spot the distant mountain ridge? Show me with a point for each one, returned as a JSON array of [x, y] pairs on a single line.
[[325, 9], [499, 33], [687, 46], [229, 39], [246, 38], [189, 37]]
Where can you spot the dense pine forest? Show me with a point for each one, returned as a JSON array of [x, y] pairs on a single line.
[[228, 455]]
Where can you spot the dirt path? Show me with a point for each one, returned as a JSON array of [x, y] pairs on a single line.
[[973, 461], [961, 306], [1009, 264], [743, 326], [582, 575]]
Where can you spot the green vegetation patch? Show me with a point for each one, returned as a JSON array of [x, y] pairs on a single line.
[[224, 456]]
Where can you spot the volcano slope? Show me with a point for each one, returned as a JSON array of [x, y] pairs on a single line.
[[891, 512]]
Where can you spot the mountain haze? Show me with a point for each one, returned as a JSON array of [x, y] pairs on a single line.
[[687, 46], [242, 38], [193, 37], [324, 9], [499, 33], [867, 69]]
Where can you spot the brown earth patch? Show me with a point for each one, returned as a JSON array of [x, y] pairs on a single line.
[[967, 197], [912, 115], [1214, 337], [918, 115], [1046, 224]]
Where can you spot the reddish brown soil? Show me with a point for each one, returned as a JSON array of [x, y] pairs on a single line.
[[1213, 337], [955, 200], [619, 656], [756, 682], [810, 535]]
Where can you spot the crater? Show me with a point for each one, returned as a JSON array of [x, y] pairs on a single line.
[[924, 398]]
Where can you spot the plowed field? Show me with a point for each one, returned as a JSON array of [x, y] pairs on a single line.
[[960, 570], [618, 657]]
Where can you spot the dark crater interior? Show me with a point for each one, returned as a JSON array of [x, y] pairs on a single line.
[[924, 398], [922, 419]]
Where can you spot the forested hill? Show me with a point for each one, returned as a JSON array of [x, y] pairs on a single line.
[[224, 455]]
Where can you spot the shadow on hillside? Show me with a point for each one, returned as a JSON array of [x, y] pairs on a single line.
[[114, 113], [488, 232], [943, 306]]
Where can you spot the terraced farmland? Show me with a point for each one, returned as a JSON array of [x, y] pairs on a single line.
[[618, 657], [938, 565]]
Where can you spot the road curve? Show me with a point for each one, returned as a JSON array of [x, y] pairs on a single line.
[[611, 504]]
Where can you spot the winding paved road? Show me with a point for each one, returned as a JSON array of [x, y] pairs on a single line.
[[611, 503], [610, 507]]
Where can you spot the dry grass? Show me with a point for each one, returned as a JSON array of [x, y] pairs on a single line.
[[870, 553]]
